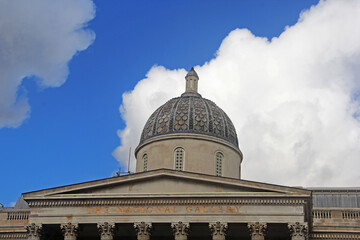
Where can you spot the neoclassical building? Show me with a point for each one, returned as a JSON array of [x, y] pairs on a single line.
[[187, 185]]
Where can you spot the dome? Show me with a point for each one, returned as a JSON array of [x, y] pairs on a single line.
[[190, 113]]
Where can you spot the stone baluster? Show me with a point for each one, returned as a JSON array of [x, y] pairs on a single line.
[[70, 230], [181, 230], [257, 230], [33, 231], [143, 230], [298, 231], [218, 230], [106, 230]]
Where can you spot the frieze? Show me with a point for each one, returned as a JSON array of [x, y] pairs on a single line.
[[13, 236], [114, 202]]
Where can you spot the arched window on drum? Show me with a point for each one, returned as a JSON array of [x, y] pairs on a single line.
[[179, 155], [219, 159], [145, 162]]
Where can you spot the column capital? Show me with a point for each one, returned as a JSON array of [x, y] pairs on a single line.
[[143, 229], [180, 228], [298, 230], [257, 229], [106, 230], [33, 231], [70, 230], [218, 229]]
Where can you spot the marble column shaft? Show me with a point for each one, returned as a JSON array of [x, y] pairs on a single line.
[[70, 231], [34, 231], [143, 230], [218, 230], [257, 230]]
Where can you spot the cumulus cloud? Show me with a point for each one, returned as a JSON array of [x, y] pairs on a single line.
[[38, 38], [294, 99]]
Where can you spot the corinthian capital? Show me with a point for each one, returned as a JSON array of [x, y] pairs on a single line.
[[106, 230], [143, 229], [298, 230], [218, 229], [257, 229], [70, 230], [180, 229], [33, 231]]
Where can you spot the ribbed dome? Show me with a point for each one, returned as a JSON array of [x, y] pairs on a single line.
[[190, 113]]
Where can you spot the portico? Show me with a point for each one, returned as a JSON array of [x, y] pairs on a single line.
[[169, 204]]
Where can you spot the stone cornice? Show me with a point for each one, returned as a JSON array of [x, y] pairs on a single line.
[[335, 236], [137, 202]]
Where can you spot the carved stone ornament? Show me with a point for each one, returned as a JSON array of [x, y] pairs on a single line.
[[106, 230], [298, 230], [257, 229], [143, 229], [70, 230], [218, 229], [180, 229], [33, 231]]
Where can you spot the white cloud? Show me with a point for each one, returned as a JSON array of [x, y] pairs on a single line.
[[38, 38], [293, 99]]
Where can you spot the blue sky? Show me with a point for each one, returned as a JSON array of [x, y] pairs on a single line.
[[70, 134]]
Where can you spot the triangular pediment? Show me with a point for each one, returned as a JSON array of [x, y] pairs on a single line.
[[166, 183]]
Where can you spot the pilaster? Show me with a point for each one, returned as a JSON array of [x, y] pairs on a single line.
[[70, 231], [257, 230], [181, 230], [298, 231], [218, 230], [106, 230], [143, 230], [33, 231]]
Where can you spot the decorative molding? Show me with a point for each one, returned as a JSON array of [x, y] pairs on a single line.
[[106, 230], [143, 229], [298, 229], [129, 202], [218, 229], [257, 229], [33, 231], [335, 236], [180, 228], [13, 236], [70, 230]]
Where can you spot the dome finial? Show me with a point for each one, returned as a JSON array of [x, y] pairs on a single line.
[[191, 81]]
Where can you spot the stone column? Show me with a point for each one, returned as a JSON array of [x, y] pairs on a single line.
[[143, 230], [218, 230], [33, 231], [181, 230], [257, 230], [106, 230], [70, 230], [298, 231]]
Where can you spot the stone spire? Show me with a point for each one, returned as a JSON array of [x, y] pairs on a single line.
[[192, 81]]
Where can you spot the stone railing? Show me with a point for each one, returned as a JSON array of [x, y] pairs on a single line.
[[18, 215], [348, 214], [321, 213], [338, 213]]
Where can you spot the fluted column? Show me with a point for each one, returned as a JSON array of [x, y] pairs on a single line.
[[257, 230], [298, 231], [106, 230], [181, 230], [143, 230], [70, 231], [218, 230], [33, 231]]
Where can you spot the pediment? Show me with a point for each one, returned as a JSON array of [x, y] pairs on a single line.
[[166, 183]]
